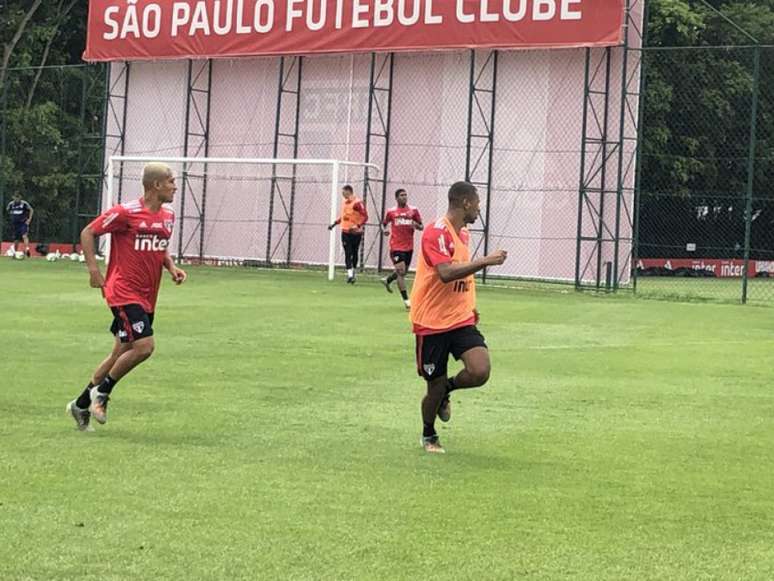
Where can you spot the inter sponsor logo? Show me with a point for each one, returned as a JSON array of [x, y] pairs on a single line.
[[150, 243], [461, 286]]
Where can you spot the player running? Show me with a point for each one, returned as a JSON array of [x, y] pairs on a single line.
[[443, 310], [404, 219], [352, 219], [21, 215], [140, 231]]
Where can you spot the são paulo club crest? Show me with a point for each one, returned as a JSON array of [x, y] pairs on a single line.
[[138, 327]]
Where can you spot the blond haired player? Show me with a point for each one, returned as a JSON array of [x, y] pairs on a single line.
[[443, 310]]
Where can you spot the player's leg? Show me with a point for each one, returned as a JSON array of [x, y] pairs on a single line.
[[133, 327], [388, 280], [356, 240], [26, 239], [401, 268], [141, 350], [432, 359], [467, 344], [79, 407], [346, 242]]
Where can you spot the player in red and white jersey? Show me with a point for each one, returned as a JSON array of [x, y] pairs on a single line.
[[140, 233], [405, 220]]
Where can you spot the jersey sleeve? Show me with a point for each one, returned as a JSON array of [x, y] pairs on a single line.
[[387, 218], [417, 217], [436, 246], [116, 219], [27, 206], [360, 209]]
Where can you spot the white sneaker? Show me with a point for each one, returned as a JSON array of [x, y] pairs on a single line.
[[408, 304], [81, 417]]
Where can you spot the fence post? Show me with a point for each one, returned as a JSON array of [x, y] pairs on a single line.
[[3, 129], [751, 170]]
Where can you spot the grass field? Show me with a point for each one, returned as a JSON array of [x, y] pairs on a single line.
[[274, 435]]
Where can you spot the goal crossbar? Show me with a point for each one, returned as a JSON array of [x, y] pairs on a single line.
[[335, 165]]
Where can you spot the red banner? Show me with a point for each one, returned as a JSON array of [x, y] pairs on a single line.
[[720, 268], [168, 29]]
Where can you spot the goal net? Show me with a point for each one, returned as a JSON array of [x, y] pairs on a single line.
[[249, 211]]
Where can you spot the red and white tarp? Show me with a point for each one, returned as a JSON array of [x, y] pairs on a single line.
[[170, 29]]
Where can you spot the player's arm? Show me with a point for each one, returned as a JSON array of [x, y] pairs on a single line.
[[32, 211], [449, 272], [435, 247], [178, 274], [418, 221], [114, 220], [89, 248], [336, 223], [386, 223]]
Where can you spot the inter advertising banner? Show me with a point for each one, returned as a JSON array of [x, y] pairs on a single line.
[[720, 268], [167, 29]]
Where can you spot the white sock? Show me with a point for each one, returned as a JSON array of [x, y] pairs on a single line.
[[350, 272]]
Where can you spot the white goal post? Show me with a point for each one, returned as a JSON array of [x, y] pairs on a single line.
[[335, 168]]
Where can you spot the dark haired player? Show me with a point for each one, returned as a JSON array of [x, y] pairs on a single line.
[[404, 220], [140, 233], [21, 215], [443, 310]]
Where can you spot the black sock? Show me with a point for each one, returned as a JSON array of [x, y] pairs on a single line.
[[404, 294], [428, 431], [451, 386], [107, 385], [84, 400], [393, 277]]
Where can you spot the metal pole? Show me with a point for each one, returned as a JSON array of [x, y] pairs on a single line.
[[3, 129], [332, 236], [127, 70], [184, 187], [603, 173], [79, 180], [471, 90], [638, 160], [203, 214], [751, 169], [491, 161], [386, 165], [291, 217], [621, 141], [278, 118], [582, 187], [103, 136]]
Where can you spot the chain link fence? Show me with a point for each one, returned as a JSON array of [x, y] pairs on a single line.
[[705, 196], [705, 210], [52, 147]]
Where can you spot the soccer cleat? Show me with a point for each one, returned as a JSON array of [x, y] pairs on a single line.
[[444, 412], [386, 284], [99, 403], [351, 280], [81, 417], [407, 303], [432, 445]]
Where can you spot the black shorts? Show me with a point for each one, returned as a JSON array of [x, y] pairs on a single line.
[[20, 230], [433, 350], [131, 322], [403, 256]]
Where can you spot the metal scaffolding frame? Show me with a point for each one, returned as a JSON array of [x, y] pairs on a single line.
[[285, 145], [609, 156], [91, 153], [116, 108], [196, 144], [482, 106], [378, 140]]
